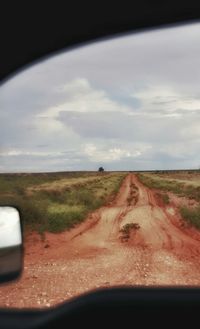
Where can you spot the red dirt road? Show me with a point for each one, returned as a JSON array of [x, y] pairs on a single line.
[[94, 254]]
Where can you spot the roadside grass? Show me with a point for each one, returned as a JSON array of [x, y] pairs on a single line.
[[61, 207], [179, 188], [18, 182], [187, 177], [64, 184], [192, 216], [165, 198], [62, 217]]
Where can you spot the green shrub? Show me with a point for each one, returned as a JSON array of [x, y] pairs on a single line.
[[192, 216], [128, 227], [53, 195], [165, 198], [62, 220]]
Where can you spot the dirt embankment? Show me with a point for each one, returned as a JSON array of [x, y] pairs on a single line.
[[157, 250]]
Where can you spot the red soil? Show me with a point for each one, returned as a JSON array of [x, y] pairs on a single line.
[[92, 255]]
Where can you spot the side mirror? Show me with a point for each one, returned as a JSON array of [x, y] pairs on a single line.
[[11, 250]]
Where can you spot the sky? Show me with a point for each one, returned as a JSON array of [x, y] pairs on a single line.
[[127, 103]]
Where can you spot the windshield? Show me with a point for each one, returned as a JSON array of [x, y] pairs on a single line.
[[100, 150]]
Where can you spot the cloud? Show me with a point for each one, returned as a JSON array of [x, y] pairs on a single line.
[[131, 103], [163, 100], [17, 153], [81, 97], [108, 155]]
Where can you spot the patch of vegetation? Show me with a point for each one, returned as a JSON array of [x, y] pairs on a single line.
[[179, 188], [57, 208], [165, 198], [14, 182], [65, 217], [133, 197], [128, 227], [129, 200], [133, 186], [126, 230], [192, 216]]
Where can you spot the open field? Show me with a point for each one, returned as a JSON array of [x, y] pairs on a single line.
[[135, 232], [188, 187], [131, 240], [55, 202], [187, 177], [185, 185]]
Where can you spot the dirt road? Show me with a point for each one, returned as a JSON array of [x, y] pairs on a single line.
[[157, 250]]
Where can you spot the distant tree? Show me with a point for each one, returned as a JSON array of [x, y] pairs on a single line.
[[101, 169]]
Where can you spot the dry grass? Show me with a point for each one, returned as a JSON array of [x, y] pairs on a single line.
[[182, 187], [186, 189], [62, 184], [58, 203]]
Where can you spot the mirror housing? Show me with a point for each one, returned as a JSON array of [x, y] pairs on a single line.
[[11, 246]]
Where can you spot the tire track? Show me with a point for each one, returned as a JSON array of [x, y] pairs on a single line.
[[92, 255]]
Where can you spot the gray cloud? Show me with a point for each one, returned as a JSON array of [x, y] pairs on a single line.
[[127, 103]]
